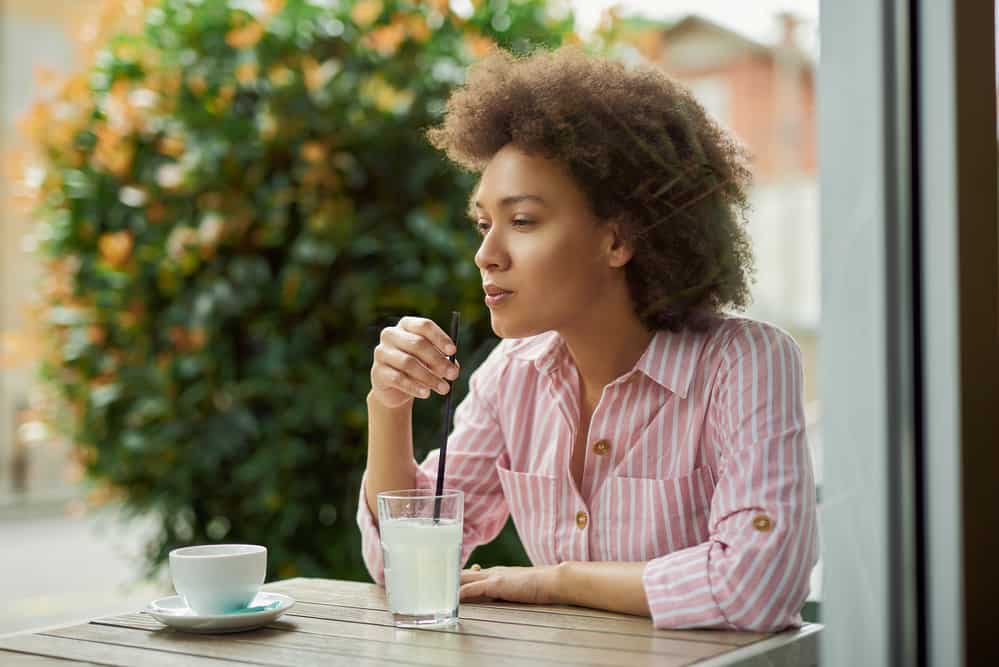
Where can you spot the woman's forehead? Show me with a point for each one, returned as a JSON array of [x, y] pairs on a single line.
[[514, 176]]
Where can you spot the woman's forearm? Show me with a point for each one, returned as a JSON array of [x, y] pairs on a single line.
[[603, 585], [390, 451]]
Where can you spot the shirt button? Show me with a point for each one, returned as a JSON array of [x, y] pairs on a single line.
[[762, 523], [581, 519], [601, 447]]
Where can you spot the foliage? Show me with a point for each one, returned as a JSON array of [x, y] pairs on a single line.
[[233, 197]]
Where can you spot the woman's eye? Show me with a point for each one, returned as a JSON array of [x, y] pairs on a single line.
[[482, 226]]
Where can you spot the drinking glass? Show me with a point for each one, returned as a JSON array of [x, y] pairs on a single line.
[[422, 555]]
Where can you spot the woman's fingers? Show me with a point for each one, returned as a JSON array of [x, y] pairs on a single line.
[[421, 349], [410, 361], [477, 590], [409, 367], [428, 329], [473, 575], [385, 377]]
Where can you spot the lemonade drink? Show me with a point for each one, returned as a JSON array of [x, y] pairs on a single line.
[[422, 567]]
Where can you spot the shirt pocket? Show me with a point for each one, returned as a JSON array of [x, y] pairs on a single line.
[[659, 516], [532, 501]]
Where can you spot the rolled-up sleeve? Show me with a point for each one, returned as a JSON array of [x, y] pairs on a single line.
[[753, 571], [474, 447]]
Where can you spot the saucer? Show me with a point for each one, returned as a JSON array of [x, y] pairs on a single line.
[[173, 611]]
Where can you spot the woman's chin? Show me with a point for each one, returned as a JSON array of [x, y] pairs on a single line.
[[504, 327]]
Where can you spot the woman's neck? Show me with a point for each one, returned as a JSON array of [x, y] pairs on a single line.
[[605, 347]]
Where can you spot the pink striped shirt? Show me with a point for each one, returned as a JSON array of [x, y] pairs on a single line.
[[698, 466]]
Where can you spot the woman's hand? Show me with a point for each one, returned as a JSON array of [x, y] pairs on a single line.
[[411, 361], [531, 585]]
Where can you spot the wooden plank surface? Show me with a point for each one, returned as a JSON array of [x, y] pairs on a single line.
[[371, 596], [337, 623], [9, 659], [437, 647]]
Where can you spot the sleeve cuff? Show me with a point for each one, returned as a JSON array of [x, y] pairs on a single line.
[[678, 590]]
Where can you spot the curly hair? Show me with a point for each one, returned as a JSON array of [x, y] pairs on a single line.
[[644, 153]]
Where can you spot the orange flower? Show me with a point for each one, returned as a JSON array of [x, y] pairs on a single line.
[[478, 45], [280, 75], [96, 334], [246, 73], [366, 12], [313, 151], [116, 247], [197, 338], [316, 75], [197, 84], [440, 6], [178, 336], [649, 44], [272, 7], [35, 122], [227, 93], [246, 36], [130, 317], [187, 340], [172, 145], [416, 26], [386, 39], [113, 152], [385, 96]]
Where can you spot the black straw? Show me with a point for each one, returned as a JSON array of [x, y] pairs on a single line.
[[455, 320]]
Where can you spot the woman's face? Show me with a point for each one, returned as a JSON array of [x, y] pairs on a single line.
[[547, 263]]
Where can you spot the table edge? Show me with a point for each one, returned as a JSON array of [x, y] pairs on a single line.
[[764, 648]]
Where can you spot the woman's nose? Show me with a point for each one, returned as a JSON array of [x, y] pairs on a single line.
[[491, 256]]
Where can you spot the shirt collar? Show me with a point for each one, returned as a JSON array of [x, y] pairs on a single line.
[[670, 359], [545, 351]]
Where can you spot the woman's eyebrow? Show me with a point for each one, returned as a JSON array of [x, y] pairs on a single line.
[[513, 199]]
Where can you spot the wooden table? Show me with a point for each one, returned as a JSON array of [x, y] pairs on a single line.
[[346, 623]]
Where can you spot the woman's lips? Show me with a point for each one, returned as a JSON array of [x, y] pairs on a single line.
[[497, 297]]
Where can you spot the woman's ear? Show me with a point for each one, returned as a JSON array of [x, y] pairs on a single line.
[[620, 249]]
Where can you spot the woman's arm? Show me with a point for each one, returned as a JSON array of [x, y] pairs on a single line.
[[753, 572], [391, 465], [603, 585], [409, 363], [598, 585], [474, 446]]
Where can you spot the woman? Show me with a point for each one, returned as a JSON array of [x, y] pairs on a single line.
[[650, 449]]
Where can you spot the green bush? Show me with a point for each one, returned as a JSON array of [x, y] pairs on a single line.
[[234, 198]]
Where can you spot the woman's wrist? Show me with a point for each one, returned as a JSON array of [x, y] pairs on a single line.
[[374, 403], [560, 591]]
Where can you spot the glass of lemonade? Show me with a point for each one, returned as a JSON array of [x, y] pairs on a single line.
[[422, 556]]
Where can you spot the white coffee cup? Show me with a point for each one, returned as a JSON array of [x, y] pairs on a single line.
[[218, 578]]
